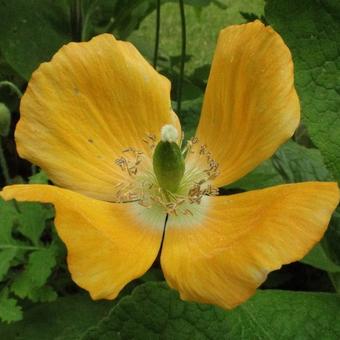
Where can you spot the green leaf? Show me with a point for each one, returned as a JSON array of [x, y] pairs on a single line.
[[318, 258], [155, 312], [64, 319], [32, 219], [9, 310], [8, 215], [291, 163], [311, 30], [6, 257], [39, 267], [43, 294], [110, 16], [297, 163], [31, 32], [265, 175], [326, 255], [38, 178]]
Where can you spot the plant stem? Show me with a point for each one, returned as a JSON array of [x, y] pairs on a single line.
[[76, 20], [3, 165], [158, 25], [13, 87], [13, 246], [183, 53]]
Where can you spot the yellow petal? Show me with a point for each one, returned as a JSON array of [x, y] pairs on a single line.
[[85, 106], [250, 106], [108, 244], [227, 253]]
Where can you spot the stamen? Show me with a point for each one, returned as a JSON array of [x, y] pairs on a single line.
[[150, 140], [143, 186]]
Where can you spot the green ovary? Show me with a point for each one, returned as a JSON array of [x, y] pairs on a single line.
[[168, 165]]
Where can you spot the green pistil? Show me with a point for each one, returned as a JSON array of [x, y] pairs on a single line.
[[168, 165]]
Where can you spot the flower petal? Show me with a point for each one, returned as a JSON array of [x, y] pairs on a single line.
[[83, 108], [225, 256], [250, 106], [108, 244]]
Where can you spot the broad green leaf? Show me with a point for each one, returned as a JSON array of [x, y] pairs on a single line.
[[39, 267], [290, 164], [311, 29], [31, 32], [265, 175], [9, 310], [297, 163], [64, 319], [153, 311]]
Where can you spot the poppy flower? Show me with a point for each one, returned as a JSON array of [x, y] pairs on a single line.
[[97, 119]]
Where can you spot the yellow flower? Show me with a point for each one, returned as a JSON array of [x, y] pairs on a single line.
[[91, 118]]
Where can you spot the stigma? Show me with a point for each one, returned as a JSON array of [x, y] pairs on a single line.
[[169, 134]]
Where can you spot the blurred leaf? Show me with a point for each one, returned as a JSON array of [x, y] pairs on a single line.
[[7, 95], [311, 30], [200, 3], [114, 17], [190, 116], [64, 319], [190, 91], [38, 178], [31, 32], [155, 312], [39, 268], [201, 73], [9, 310]]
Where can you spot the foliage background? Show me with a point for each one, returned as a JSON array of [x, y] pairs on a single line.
[[300, 301]]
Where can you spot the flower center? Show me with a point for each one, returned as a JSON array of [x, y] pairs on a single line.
[[173, 182]]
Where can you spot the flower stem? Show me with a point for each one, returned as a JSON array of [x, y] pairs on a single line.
[[3, 165], [183, 52], [13, 87], [76, 20], [158, 25]]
